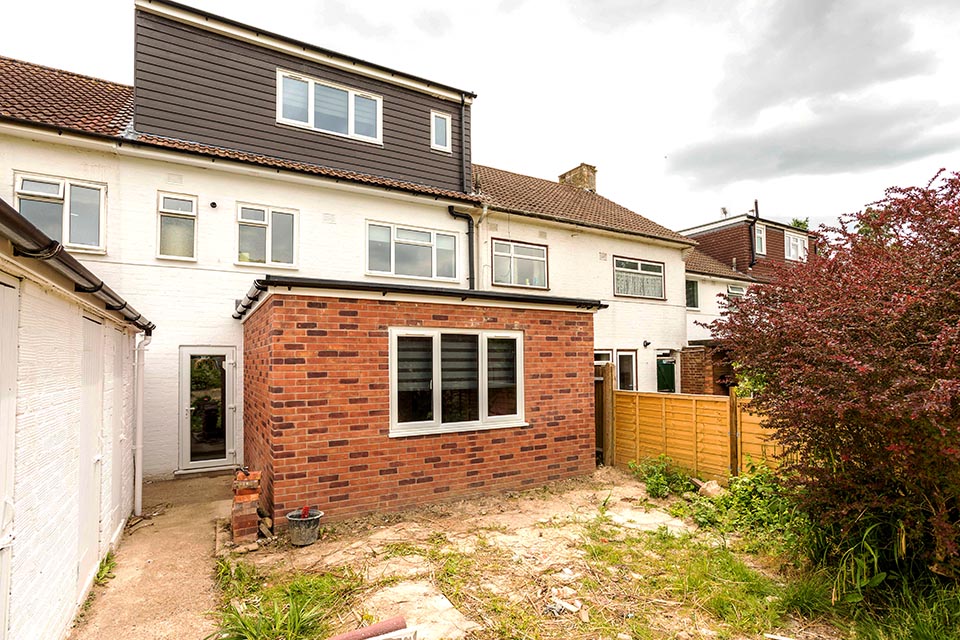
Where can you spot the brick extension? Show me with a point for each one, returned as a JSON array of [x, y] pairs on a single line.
[[244, 520], [316, 410]]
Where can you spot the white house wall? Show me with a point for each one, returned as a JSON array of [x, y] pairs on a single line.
[[580, 264], [711, 305]]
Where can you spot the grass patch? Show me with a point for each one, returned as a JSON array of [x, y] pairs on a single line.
[[105, 570], [925, 611], [661, 476]]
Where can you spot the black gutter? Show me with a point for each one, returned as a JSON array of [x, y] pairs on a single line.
[[467, 188], [471, 277], [30, 242], [263, 284]]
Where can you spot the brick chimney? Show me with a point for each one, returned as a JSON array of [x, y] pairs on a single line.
[[583, 177]]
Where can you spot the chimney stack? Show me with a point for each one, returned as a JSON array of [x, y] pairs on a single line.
[[583, 177]]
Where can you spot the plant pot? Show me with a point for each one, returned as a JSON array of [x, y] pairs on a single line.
[[303, 531]]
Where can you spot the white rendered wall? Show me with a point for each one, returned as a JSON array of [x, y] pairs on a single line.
[[711, 304], [580, 264]]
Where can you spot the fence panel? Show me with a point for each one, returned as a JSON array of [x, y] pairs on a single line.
[[756, 442]]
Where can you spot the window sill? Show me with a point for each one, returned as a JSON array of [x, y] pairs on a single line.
[[266, 265], [443, 150], [432, 429], [383, 274], [92, 251], [177, 258], [629, 297], [521, 286]]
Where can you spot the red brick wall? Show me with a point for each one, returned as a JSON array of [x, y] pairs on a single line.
[[328, 390], [257, 429], [696, 373]]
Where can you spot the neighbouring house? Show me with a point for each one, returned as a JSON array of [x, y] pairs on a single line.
[[563, 238], [750, 244], [68, 416]]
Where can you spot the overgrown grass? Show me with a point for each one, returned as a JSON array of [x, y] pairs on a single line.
[[919, 611], [662, 476], [105, 570]]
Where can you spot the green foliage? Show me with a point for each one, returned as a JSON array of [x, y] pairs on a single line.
[[922, 611], [661, 476], [105, 570], [801, 223], [808, 595]]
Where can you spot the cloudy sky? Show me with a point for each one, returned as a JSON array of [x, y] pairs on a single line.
[[813, 107]]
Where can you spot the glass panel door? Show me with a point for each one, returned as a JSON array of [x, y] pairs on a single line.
[[207, 407]]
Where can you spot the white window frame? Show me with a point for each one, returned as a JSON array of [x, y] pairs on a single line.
[[696, 307], [432, 244], [606, 352], [736, 290], [639, 270], [760, 240], [63, 197], [401, 429], [170, 213], [267, 223], [789, 241], [513, 263], [433, 131], [309, 124], [633, 354]]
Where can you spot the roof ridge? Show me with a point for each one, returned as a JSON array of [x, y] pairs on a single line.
[[67, 72]]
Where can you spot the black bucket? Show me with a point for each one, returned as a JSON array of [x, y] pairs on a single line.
[[303, 531]]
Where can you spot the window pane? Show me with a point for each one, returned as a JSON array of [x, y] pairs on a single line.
[[501, 269], [651, 268], [330, 108], [501, 247], [626, 264], [379, 248], [295, 98], [602, 356], [40, 186], [176, 204], [414, 379], [253, 244], [85, 216], [531, 273], [502, 377], [460, 378], [253, 215], [534, 252], [414, 260], [365, 117], [440, 133], [635, 284], [46, 216], [446, 256], [281, 237], [176, 236], [411, 234], [693, 294], [625, 371]]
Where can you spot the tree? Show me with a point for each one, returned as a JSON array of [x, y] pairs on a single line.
[[859, 351], [801, 223]]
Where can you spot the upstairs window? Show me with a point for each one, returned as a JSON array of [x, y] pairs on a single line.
[[440, 134], [736, 290], [638, 278], [760, 239], [794, 246], [693, 294], [68, 211], [323, 106], [415, 253], [266, 235], [519, 264], [177, 226]]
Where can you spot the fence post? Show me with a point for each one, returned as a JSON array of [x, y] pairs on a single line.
[[735, 432], [609, 415]]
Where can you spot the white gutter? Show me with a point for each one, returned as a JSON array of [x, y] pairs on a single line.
[[138, 438]]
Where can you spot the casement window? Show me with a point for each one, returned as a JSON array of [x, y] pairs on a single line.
[[794, 247], [602, 355], [736, 290], [454, 380], [760, 239], [177, 226], [68, 211], [520, 265], [627, 370], [315, 104], [415, 253], [638, 278], [266, 235], [693, 294], [440, 133]]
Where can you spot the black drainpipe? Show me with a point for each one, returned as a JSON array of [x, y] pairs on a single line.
[[471, 278], [753, 234], [467, 188]]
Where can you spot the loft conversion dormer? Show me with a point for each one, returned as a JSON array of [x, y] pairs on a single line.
[[207, 79]]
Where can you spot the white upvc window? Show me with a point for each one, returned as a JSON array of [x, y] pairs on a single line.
[[760, 239], [794, 246], [638, 278], [176, 226], [627, 370], [315, 104], [411, 252], [441, 134], [447, 380], [519, 264], [693, 294], [69, 211], [736, 290], [602, 355], [266, 235]]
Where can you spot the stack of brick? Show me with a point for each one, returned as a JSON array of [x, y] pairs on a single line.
[[244, 519]]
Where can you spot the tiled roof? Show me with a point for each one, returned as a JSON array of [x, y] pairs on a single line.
[[701, 263], [540, 198], [63, 99]]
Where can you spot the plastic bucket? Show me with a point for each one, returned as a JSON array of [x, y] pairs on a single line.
[[303, 531]]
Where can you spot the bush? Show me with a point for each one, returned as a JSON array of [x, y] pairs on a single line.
[[661, 476]]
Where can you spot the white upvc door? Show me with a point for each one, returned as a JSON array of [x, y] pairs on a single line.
[[8, 412], [207, 407], [90, 457]]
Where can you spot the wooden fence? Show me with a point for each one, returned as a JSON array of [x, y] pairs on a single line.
[[711, 436]]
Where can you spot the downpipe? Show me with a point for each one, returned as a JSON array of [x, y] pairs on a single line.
[[138, 421]]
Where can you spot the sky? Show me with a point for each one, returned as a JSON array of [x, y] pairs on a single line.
[[811, 107]]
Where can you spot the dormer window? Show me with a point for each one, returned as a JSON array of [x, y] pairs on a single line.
[[440, 131], [330, 108], [794, 247], [761, 240]]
